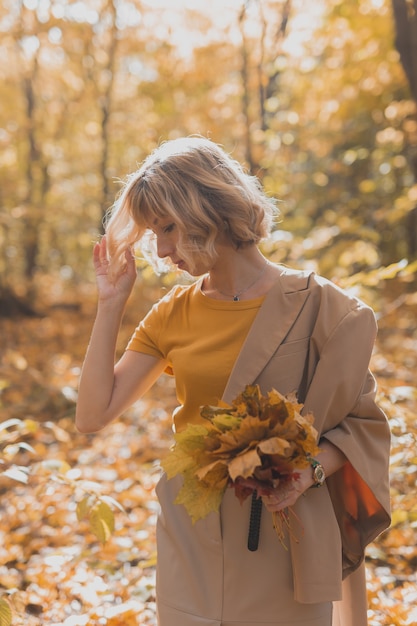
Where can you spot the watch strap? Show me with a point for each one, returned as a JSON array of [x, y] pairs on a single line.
[[318, 472]]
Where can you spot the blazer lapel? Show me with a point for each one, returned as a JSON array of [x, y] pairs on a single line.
[[277, 314]]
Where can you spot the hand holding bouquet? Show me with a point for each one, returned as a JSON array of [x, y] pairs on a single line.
[[256, 444]]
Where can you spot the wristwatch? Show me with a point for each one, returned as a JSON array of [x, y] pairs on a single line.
[[319, 475]]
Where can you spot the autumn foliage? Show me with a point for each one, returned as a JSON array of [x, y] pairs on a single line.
[[254, 445]]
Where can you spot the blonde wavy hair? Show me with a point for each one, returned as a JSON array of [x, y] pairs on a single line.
[[194, 183]]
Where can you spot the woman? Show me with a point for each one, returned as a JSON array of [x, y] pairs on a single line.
[[243, 321]]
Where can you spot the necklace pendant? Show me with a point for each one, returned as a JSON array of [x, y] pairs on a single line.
[[235, 298]]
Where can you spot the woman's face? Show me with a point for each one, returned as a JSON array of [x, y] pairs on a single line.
[[167, 235]]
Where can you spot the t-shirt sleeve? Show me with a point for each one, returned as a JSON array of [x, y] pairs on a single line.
[[147, 337], [144, 340]]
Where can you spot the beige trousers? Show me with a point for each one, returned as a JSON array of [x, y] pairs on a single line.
[[206, 576], [352, 610]]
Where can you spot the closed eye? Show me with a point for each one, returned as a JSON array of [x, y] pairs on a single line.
[[168, 229]]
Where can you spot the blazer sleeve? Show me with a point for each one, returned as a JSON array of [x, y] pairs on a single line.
[[341, 395]]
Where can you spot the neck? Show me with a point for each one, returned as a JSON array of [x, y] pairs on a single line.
[[237, 275]]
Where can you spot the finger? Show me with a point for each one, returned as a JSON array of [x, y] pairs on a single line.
[[130, 259], [96, 255], [278, 495], [103, 250], [131, 267], [278, 500], [273, 508], [100, 260]]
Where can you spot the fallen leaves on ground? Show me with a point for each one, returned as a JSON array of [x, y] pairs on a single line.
[[54, 571]]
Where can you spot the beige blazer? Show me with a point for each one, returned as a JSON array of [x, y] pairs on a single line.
[[311, 337]]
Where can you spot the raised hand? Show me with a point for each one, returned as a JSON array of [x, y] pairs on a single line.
[[110, 287]]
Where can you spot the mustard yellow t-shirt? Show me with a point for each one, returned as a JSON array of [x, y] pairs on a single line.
[[200, 337]]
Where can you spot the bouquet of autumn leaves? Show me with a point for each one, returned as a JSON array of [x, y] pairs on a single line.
[[255, 444]]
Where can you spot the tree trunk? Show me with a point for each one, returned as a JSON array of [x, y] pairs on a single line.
[[105, 102], [12, 305], [244, 72], [267, 74], [405, 18]]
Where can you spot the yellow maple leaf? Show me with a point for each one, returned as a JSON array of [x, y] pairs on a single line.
[[203, 473], [202, 497], [250, 431], [189, 445], [260, 439], [176, 462], [192, 438], [101, 519], [5, 613]]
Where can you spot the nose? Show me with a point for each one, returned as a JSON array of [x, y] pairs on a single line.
[[164, 247]]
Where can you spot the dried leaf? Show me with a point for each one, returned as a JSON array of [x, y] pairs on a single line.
[[201, 497], [225, 421], [112, 501], [10, 451], [55, 466], [244, 465], [202, 472], [254, 444], [83, 508], [275, 445], [249, 432], [19, 473], [101, 520], [5, 613], [176, 462], [10, 423]]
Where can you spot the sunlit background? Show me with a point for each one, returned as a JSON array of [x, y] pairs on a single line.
[[318, 99], [312, 96]]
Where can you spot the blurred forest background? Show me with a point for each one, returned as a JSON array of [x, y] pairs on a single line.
[[319, 99]]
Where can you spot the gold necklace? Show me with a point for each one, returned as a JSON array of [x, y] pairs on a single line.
[[236, 297]]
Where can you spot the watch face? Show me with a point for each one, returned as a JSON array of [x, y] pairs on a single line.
[[319, 475]]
